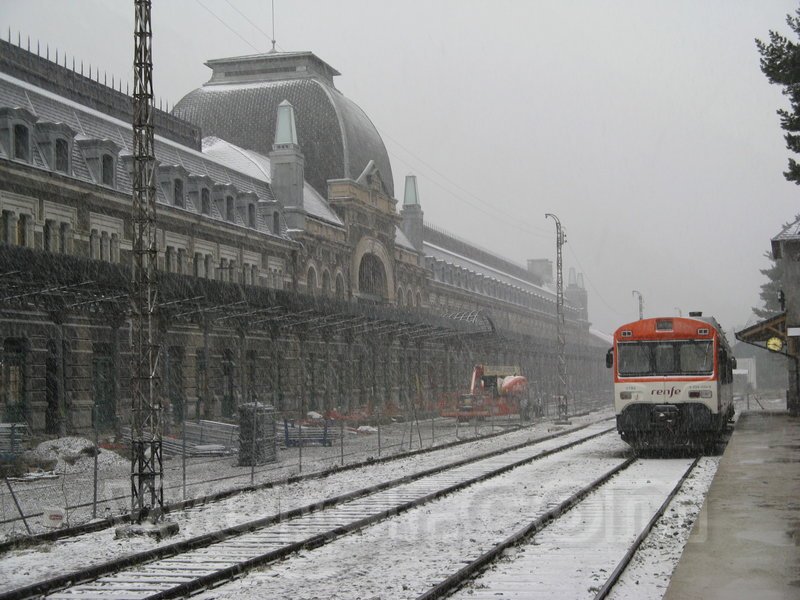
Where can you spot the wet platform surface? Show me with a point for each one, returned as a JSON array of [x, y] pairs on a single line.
[[745, 543]]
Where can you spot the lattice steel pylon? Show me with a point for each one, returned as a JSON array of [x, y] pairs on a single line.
[[147, 488], [561, 239]]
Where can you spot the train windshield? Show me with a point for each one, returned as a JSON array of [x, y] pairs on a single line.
[[665, 358]]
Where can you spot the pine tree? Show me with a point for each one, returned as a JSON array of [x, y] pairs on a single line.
[[770, 291], [780, 62]]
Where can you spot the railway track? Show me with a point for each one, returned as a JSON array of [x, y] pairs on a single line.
[[191, 565], [580, 547]]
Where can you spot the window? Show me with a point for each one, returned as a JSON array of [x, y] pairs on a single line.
[[22, 148], [200, 373], [665, 358], [177, 193], [94, 244], [65, 239], [108, 170], [22, 230], [229, 209], [326, 282], [51, 231], [199, 265], [12, 381], [229, 384], [105, 247], [311, 281], [252, 366], [276, 223], [62, 155], [205, 201]]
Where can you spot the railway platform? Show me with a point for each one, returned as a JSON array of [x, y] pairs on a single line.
[[745, 543]]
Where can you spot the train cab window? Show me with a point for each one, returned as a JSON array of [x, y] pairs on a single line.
[[664, 359], [634, 359], [696, 358]]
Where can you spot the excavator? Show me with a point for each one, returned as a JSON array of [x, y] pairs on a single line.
[[494, 390]]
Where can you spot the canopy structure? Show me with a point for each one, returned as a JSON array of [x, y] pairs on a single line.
[[763, 331]]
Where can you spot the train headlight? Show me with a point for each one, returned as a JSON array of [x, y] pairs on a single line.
[[625, 395], [700, 394]]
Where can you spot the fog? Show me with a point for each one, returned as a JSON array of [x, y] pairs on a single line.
[[647, 127]]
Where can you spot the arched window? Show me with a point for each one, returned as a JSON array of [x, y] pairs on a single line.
[[229, 209], [409, 298], [22, 147], [372, 276], [62, 155], [400, 296], [205, 201], [311, 281], [108, 170], [419, 299], [276, 223], [340, 287], [177, 193]]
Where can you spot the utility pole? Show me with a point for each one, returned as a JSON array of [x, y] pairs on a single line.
[[147, 487], [561, 239], [641, 303]]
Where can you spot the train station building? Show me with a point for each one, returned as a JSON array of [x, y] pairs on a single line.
[[290, 269]]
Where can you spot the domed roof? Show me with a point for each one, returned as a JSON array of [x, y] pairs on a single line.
[[240, 103]]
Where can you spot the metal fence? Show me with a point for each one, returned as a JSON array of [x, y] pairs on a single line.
[[203, 458]]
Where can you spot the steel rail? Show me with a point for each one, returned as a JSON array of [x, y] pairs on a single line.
[[450, 584], [209, 539], [99, 525], [626, 559]]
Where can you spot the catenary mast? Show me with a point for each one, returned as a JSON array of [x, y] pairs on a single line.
[[147, 490]]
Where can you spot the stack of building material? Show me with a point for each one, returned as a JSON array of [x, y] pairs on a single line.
[[256, 434]]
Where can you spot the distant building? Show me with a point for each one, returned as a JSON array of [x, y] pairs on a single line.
[[289, 272]]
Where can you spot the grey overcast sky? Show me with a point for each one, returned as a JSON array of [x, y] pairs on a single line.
[[647, 127]]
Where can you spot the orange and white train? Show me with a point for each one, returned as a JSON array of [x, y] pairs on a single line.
[[673, 381]]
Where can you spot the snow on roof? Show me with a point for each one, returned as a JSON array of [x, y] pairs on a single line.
[[473, 265]]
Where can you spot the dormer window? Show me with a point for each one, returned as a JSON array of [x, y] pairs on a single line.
[[205, 201], [251, 215], [177, 193], [229, 208], [276, 223], [62, 155], [22, 143], [108, 170]]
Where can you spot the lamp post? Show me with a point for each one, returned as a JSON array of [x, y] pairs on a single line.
[[561, 239], [641, 303]]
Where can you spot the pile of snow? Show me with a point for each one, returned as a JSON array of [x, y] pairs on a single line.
[[367, 429], [76, 453], [314, 415]]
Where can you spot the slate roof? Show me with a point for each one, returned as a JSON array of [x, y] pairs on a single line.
[[88, 123], [336, 137], [257, 166]]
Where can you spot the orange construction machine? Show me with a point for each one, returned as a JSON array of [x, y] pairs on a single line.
[[494, 390]]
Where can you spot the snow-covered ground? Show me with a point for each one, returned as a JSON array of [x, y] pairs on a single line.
[[24, 566], [207, 475], [404, 556]]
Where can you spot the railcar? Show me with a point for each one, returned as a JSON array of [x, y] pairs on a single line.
[[673, 381]]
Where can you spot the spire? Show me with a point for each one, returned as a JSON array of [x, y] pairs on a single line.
[[285, 131], [411, 197], [412, 224]]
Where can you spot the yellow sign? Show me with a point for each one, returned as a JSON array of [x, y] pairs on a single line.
[[775, 344]]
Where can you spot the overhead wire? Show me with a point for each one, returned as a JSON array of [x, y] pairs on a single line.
[[218, 18]]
